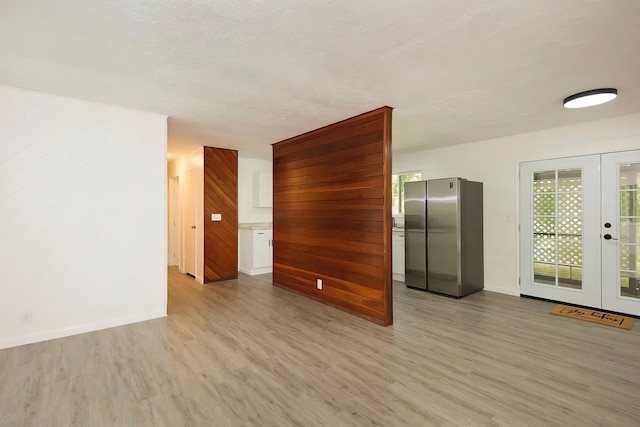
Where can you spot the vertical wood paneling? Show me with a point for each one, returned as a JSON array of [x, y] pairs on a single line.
[[332, 214], [220, 197]]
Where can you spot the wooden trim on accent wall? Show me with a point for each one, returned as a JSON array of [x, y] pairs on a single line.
[[220, 197], [388, 219], [332, 215]]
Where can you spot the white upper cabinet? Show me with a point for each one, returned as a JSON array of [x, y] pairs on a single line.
[[263, 190]]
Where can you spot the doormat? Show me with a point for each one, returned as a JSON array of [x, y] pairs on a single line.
[[595, 316]]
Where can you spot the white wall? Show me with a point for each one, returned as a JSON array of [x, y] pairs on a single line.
[[495, 163], [83, 220], [177, 168], [246, 212]]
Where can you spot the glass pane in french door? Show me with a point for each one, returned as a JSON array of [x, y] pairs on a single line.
[[629, 230], [621, 232], [557, 227]]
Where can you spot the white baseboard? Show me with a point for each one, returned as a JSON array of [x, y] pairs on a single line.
[[75, 330], [499, 290], [261, 270], [254, 271], [398, 277]]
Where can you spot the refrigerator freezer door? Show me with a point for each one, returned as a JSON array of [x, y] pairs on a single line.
[[415, 270], [442, 236], [415, 194]]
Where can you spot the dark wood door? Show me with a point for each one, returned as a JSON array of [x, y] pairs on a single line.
[[220, 198]]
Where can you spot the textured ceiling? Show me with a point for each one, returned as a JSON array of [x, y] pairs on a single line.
[[245, 74]]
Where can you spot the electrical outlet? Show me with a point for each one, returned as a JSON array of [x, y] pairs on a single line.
[[319, 284]]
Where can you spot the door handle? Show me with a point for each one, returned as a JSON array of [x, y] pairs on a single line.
[[609, 237], [193, 226]]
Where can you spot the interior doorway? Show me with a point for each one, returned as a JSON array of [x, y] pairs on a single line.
[[189, 221], [579, 230], [174, 222]]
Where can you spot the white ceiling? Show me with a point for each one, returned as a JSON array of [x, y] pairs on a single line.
[[245, 74]]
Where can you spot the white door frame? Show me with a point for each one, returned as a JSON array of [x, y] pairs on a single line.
[[173, 256], [611, 292], [188, 252], [601, 257], [590, 293]]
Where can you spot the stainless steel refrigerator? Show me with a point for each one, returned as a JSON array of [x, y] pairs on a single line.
[[444, 236]]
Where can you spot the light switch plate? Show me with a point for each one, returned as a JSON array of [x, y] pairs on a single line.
[[216, 217]]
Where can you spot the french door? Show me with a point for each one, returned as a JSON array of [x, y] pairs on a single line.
[[580, 230]]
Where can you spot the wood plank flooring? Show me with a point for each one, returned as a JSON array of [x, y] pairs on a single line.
[[243, 352]]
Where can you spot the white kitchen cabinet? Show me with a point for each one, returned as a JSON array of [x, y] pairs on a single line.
[[262, 190], [256, 251], [397, 248]]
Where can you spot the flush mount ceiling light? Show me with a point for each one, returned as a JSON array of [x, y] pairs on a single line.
[[590, 98]]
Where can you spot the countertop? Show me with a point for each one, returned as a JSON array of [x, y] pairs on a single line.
[[255, 226]]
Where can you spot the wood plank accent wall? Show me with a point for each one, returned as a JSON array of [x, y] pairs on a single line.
[[220, 197], [332, 214]]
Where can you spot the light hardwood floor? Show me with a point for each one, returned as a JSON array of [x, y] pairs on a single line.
[[244, 352]]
